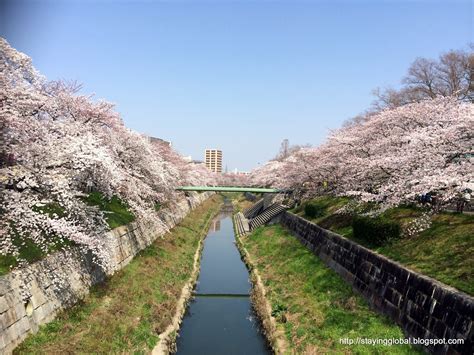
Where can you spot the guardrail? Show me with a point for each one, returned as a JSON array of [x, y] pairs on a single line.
[[231, 189]]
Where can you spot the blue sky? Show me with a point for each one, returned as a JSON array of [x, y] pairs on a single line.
[[236, 75]]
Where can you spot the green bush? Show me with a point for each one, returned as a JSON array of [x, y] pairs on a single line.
[[313, 210], [336, 221], [6, 263], [51, 209], [116, 211], [375, 231]]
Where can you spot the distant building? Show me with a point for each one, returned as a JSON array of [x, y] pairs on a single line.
[[213, 158], [159, 141], [242, 173]]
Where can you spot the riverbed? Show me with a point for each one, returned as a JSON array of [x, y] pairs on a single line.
[[220, 319]]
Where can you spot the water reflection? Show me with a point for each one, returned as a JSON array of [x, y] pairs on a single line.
[[215, 226], [220, 320]]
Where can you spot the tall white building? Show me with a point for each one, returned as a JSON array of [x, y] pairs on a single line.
[[213, 158]]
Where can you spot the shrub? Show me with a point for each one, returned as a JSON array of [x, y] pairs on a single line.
[[117, 212], [6, 263], [51, 209], [313, 210], [336, 221], [375, 231]]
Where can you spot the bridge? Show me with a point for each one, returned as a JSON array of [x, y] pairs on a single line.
[[231, 189]]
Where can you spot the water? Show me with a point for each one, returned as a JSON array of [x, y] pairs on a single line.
[[220, 320]]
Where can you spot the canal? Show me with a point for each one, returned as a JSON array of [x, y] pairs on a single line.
[[220, 319]]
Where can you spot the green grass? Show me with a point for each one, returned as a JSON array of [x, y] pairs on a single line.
[[51, 209], [128, 312], [6, 263], [443, 251], [27, 249], [312, 304], [116, 211], [328, 205]]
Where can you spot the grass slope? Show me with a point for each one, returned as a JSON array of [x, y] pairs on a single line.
[[313, 305], [126, 313], [443, 251], [116, 211], [30, 251], [116, 215]]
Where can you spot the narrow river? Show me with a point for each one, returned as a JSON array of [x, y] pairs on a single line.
[[220, 320]]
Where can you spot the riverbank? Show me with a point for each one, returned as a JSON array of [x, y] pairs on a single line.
[[129, 311], [442, 248], [275, 337], [314, 308]]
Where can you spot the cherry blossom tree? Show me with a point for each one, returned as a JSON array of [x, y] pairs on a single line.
[[391, 157], [56, 146]]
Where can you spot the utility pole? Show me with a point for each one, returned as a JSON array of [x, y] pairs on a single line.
[[285, 149]]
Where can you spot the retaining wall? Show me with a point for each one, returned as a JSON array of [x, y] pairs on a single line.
[[423, 307], [61, 279]]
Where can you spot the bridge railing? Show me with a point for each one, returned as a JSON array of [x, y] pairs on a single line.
[[231, 189]]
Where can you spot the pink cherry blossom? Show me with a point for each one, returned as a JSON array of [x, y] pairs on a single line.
[[60, 146], [391, 157]]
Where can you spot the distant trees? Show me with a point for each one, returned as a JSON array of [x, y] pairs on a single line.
[[234, 179], [286, 149], [451, 75]]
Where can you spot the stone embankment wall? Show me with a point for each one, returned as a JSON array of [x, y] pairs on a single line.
[[423, 307], [61, 279]]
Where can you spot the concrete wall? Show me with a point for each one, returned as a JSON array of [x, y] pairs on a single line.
[[63, 278], [423, 307]]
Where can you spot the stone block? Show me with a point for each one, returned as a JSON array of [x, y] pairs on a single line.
[[413, 328], [23, 325], [417, 314], [393, 296], [374, 259], [8, 318], [3, 343], [39, 314], [38, 298], [463, 325], [9, 336], [421, 283], [451, 317], [49, 314], [390, 310], [465, 304], [14, 332], [5, 286], [438, 311], [20, 310], [3, 304], [438, 328], [12, 297], [400, 280]]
